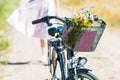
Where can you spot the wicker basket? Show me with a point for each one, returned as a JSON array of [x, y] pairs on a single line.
[[86, 40]]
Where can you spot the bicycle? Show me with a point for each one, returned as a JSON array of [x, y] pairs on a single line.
[[75, 69]]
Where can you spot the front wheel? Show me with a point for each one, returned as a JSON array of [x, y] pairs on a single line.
[[87, 76]]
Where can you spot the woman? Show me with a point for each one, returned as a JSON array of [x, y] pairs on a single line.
[[23, 16], [47, 7]]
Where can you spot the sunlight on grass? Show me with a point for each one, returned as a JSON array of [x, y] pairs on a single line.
[[6, 8], [4, 44], [3, 62], [3, 57]]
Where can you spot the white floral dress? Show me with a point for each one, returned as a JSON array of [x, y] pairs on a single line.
[[23, 16]]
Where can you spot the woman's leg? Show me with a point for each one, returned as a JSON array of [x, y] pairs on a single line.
[[44, 51]]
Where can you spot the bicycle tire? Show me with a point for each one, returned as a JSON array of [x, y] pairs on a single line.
[[52, 55], [53, 66], [87, 76], [49, 55], [62, 66]]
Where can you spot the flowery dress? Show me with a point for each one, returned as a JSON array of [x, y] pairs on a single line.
[[23, 16]]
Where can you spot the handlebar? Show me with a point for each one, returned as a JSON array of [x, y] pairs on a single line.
[[47, 19]]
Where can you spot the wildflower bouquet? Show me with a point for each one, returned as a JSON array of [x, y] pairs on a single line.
[[80, 20]]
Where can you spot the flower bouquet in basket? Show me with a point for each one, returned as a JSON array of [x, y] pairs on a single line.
[[82, 32]]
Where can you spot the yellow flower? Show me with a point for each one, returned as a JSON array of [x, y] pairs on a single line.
[[85, 20], [89, 24]]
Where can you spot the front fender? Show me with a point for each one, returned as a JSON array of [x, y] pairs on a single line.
[[83, 70], [79, 71]]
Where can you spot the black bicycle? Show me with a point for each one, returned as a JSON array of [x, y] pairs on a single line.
[[75, 69]]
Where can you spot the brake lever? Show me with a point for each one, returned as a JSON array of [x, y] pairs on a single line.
[[48, 22]]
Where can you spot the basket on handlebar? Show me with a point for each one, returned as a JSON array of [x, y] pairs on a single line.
[[82, 38]]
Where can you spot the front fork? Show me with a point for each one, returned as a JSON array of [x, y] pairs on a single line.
[[62, 66], [72, 71], [73, 67], [72, 74]]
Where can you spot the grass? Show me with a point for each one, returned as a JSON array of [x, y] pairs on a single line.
[[4, 44], [6, 8], [108, 10]]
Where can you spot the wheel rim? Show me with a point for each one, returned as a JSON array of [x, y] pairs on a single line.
[[53, 63]]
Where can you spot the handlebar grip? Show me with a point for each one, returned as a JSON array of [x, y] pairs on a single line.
[[44, 19], [36, 21]]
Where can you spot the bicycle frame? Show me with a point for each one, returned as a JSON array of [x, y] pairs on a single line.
[[58, 46], [71, 71]]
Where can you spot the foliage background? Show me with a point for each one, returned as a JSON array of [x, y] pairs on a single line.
[[108, 10]]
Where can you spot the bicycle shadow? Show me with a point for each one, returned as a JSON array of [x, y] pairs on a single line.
[[17, 63], [27, 63]]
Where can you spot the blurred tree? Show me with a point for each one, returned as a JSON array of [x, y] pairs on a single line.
[[109, 10]]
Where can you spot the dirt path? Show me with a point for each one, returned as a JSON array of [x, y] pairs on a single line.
[[24, 59]]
